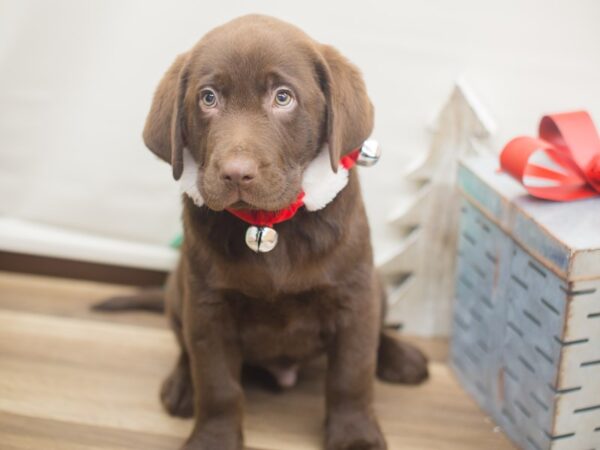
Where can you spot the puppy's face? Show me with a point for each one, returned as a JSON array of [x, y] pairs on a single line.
[[255, 117], [254, 102]]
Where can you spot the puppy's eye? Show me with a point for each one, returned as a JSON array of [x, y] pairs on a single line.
[[283, 98], [208, 98]]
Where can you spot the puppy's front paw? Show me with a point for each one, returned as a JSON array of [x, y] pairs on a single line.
[[219, 435], [354, 431]]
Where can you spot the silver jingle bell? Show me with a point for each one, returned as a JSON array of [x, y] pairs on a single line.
[[370, 153], [261, 239]]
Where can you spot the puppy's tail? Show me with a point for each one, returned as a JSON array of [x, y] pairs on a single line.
[[148, 299]]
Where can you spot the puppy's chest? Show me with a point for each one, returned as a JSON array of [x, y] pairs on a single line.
[[271, 279], [287, 329]]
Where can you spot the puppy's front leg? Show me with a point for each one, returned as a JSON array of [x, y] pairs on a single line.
[[351, 422], [215, 362]]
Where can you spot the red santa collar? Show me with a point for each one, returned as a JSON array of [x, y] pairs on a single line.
[[320, 185], [261, 218]]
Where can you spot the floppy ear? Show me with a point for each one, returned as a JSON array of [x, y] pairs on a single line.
[[164, 129], [349, 110]]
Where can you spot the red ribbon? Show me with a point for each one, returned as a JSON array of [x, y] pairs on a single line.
[[562, 164], [261, 218]]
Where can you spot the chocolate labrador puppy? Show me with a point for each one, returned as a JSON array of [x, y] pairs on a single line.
[[245, 111]]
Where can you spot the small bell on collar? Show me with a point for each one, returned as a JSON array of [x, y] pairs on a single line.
[[369, 153], [261, 239]]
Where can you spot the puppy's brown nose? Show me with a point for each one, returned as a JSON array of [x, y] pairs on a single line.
[[239, 170]]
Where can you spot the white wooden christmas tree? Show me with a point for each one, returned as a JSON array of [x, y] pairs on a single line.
[[420, 274]]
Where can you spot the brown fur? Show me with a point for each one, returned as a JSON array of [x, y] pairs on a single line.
[[317, 291]]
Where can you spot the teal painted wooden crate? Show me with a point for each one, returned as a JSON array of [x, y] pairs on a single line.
[[526, 334]]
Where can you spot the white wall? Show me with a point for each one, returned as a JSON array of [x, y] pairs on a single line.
[[76, 79]]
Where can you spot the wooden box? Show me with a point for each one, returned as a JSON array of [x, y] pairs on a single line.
[[526, 328]]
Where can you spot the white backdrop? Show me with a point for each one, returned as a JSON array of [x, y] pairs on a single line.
[[76, 79]]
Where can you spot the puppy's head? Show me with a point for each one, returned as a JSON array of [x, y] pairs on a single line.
[[253, 103]]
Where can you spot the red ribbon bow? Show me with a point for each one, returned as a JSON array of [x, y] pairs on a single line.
[[562, 164]]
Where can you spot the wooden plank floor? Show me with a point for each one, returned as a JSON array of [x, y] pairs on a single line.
[[71, 379]]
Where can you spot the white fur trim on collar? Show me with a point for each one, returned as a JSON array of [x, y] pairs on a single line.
[[188, 183], [319, 182]]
